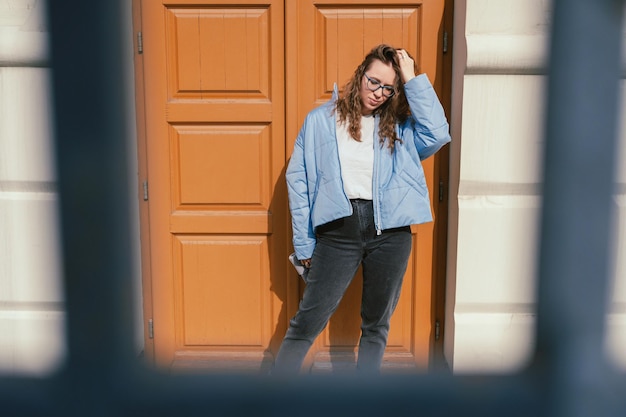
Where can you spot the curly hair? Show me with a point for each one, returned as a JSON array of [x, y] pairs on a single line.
[[394, 109]]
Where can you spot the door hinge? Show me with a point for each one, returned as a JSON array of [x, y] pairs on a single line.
[[150, 329], [445, 42], [437, 330], [441, 190], [145, 191], [139, 43]]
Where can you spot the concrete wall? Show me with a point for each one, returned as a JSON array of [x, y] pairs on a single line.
[[31, 295], [501, 50]]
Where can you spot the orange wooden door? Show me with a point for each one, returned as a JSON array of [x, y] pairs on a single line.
[[326, 40], [225, 88], [215, 151]]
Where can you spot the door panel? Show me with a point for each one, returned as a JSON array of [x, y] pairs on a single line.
[[225, 89], [324, 47], [233, 315], [216, 153]]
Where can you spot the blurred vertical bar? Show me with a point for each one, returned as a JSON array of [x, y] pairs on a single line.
[[90, 134], [579, 171]]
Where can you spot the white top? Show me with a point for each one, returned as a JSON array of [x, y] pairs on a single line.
[[357, 159]]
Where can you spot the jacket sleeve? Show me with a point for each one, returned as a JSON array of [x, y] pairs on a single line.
[[298, 190], [428, 123]]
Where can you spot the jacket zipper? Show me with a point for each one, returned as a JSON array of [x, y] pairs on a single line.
[[375, 190]]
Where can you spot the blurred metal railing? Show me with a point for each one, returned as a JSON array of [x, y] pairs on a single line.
[[569, 376]]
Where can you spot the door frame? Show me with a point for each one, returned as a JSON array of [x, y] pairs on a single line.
[[442, 206], [142, 186]]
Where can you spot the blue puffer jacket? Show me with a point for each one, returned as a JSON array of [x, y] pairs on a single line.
[[400, 195]]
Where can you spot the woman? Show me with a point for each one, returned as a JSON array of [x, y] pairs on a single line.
[[355, 184]]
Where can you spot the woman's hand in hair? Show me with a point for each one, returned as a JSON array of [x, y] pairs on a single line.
[[407, 66]]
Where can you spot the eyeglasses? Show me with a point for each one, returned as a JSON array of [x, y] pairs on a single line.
[[373, 85]]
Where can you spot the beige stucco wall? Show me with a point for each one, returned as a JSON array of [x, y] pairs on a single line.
[[31, 307], [501, 49], [31, 295], [616, 321]]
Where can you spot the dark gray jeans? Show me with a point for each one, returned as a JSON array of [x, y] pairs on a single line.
[[342, 246]]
